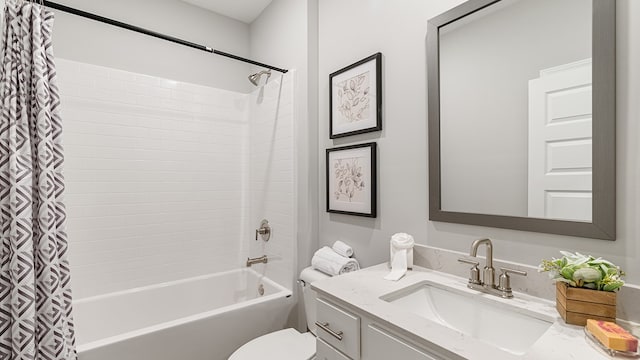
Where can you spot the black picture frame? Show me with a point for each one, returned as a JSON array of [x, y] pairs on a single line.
[[353, 87], [351, 173]]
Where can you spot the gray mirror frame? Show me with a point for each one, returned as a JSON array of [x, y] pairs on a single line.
[[603, 225]]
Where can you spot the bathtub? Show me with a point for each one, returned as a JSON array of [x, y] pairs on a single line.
[[205, 317]]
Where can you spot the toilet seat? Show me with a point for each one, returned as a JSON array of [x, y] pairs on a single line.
[[287, 344]]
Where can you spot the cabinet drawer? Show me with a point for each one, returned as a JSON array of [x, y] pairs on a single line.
[[338, 328], [383, 346], [324, 351]]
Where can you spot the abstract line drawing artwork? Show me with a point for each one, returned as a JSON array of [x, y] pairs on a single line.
[[353, 98], [349, 179]]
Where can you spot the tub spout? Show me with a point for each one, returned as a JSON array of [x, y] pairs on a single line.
[[262, 259]]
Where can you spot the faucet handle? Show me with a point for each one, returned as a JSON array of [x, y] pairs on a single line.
[[504, 282], [506, 271], [467, 261], [474, 274], [264, 231]]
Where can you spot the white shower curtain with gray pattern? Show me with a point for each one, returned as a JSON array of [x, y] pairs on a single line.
[[35, 298]]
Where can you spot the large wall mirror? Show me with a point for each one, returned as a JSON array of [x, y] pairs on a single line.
[[522, 116]]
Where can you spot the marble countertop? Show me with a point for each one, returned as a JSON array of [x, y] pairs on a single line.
[[362, 290]]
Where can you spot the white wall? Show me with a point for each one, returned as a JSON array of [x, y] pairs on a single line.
[[473, 56], [152, 177], [350, 30], [88, 41]]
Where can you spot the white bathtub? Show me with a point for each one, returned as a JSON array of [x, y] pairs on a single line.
[[205, 317]]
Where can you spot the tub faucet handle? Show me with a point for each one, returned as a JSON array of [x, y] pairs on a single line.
[[264, 231]]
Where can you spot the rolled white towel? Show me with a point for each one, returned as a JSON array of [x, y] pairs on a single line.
[[342, 248], [401, 255], [402, 241], [332, 263]]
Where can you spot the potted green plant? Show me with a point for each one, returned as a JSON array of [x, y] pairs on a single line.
[[585, 286]]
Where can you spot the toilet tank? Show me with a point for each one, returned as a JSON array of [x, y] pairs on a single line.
[[307, 276]]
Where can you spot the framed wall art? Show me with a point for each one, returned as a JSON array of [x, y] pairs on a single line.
[[355, 98], [351, 180]]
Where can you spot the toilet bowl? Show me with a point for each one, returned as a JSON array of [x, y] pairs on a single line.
[[288, 344]]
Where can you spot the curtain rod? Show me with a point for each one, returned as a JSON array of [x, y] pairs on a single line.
[[138, 29]]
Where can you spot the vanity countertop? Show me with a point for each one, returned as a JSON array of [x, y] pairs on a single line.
[[362, 291]]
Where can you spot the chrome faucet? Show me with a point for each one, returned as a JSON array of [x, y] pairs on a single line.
[[488, 283], [259, 260], [488, 273]]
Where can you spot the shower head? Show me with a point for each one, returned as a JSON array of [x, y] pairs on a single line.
[[255, 78]]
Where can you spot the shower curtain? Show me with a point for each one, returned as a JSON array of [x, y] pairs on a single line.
[[35, 298]]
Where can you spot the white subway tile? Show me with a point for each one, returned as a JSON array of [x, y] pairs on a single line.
[[167, 180]]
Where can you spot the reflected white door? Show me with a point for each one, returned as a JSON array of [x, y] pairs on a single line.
[[560, 163]]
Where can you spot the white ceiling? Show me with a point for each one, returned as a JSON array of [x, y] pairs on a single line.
[[243, 10]]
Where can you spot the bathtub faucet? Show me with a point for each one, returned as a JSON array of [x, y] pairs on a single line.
[[262, 259]]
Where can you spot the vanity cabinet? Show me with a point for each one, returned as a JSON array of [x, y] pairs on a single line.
[[338, 328], [346, 334]]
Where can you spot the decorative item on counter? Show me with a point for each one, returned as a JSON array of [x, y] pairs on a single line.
[[612, 336], [332, 263], [401, 255], [342, 249], [585, 287]]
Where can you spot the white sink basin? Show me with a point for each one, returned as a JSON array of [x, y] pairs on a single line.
[[488, 320]]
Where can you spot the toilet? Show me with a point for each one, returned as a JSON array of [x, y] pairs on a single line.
[[288, 344]]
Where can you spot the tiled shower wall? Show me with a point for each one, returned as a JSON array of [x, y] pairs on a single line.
[[156, 173], [271, 177]]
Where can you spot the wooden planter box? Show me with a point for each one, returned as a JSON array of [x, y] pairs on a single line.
[[576, 305]]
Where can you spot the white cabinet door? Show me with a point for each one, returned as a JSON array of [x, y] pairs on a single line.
[[338, 328], [384, 346], [325, 351], [560, 163]]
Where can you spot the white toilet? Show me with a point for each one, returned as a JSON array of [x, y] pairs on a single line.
[[288, 344]]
